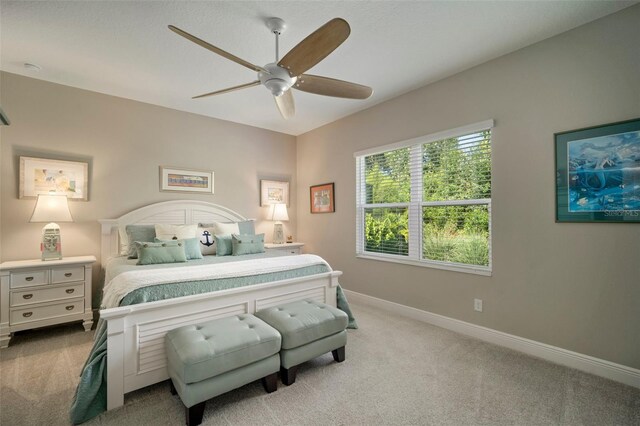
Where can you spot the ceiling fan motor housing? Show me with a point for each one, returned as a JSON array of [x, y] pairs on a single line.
[[276, 79]]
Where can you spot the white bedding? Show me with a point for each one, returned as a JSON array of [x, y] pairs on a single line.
[[126, 282]]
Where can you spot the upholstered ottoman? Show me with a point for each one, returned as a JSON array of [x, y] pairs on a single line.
[[309, 329], [209, 359]]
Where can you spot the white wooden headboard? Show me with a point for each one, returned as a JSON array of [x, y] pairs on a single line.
[[178, 212]]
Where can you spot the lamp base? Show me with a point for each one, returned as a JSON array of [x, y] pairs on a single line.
[[278, 233], [51, 245]]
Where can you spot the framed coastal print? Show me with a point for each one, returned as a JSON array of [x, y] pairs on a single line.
[[323, 198], [186, 180], [274, 192], [598, 173], [45, 176]]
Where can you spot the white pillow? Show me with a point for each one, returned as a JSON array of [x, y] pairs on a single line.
[[207, 242], [180, 232], [124, 241], [225, 228]]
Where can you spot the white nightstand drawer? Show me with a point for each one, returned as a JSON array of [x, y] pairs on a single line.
[[65, 275], [29, 278], [289, 248], [71, 307], [34, 293], [47, 294]]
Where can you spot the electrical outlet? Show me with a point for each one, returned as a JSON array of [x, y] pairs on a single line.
[[477, 305]]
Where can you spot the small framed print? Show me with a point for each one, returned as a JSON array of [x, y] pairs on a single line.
[[598, 173], [45, 176], [323, 198], [186, 180], [274, 192]]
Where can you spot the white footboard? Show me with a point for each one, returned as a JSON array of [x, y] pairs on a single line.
[[135, 334]]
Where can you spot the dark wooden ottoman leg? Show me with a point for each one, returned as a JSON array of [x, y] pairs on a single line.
[[288, 375], [194, 414], [270, 382], [338, 354], [172, 388]]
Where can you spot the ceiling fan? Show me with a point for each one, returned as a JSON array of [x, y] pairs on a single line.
[[289, 72]]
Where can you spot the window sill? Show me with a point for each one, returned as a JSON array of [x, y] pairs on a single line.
[[477, 270]]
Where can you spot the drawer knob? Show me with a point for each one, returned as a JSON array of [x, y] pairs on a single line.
[[69, 308], [68, 274], [27, 296], [27, 314], [71, 290], [29, 279]]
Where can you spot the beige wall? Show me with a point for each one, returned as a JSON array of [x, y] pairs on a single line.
[[576, 286], [124, 142]]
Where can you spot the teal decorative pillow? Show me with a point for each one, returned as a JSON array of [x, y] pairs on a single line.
[[164, 252], [223, 245], [244, 227], [138, 233], [191, 247], [247, 244]]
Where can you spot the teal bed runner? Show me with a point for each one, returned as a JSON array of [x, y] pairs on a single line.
[[90, 398]]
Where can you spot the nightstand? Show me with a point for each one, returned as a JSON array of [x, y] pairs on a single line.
[[36, 293], [292, 248]]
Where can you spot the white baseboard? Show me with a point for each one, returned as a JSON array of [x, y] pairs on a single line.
[[600, 367]]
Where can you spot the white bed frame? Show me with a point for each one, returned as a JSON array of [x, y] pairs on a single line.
[[135, 333]]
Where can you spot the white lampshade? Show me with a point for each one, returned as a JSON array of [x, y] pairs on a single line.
[[279, 212], [51, 208]]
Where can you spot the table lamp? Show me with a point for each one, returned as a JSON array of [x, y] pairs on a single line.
[[51, 208], [278, 213]]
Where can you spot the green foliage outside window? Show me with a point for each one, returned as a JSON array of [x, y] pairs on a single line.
[[452, 169], [387, 180], [387, 231]]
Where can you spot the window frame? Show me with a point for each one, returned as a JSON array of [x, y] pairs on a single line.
[[416, 203]]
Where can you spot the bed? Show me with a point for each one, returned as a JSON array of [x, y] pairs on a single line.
[[134, 334]]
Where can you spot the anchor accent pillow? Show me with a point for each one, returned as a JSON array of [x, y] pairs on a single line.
[[207, 242]]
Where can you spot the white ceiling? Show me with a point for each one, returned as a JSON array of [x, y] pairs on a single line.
[[125, 49]]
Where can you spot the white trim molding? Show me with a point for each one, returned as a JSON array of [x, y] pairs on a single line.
[[600, 367], [445, 134]]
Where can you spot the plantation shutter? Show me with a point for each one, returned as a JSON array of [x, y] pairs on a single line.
[[427, 200]]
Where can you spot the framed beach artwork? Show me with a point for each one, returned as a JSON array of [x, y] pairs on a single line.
[[323, 198], [598, 173], [186, 180], [46, 176], [274, 192]]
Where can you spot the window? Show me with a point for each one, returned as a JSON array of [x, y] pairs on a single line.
[[427, 201]]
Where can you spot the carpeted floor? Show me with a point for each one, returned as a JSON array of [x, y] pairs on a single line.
[[397, 371]]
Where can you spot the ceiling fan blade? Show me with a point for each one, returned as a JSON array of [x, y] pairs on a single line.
[[285, 104], [331, 87], [214, 49], [230, 89], [316, 46]]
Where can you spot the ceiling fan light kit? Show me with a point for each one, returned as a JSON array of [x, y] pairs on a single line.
[[277, 79], [283, 74]]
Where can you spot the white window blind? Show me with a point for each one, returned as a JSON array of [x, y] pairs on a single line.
[[428, 200]]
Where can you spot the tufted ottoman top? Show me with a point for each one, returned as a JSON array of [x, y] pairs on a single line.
[[303, 322], [198, 352]]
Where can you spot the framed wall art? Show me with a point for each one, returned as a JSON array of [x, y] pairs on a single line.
[[186, 180], [274, 192], [598, 173], [45, 176], [323, 198]]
